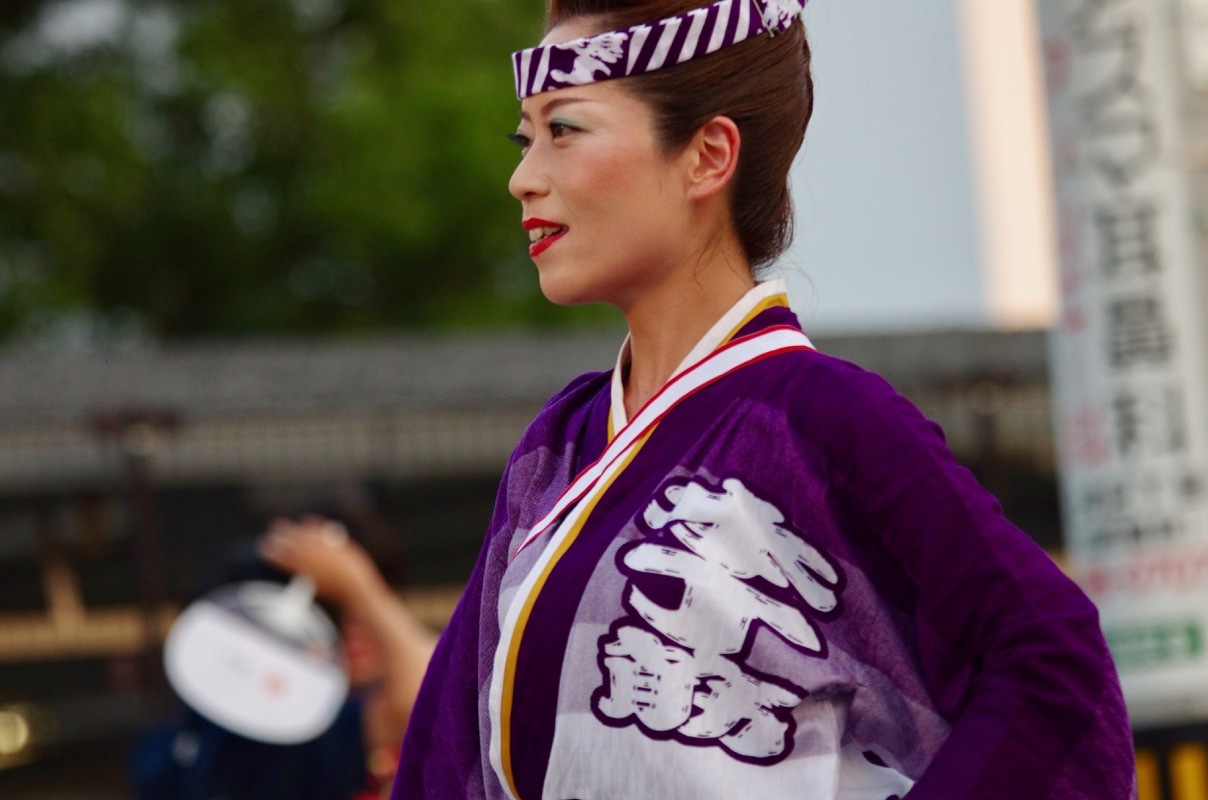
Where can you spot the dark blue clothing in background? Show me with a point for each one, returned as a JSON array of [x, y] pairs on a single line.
[[197, 760]]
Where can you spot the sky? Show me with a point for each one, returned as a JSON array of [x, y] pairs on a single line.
[[892, 188]]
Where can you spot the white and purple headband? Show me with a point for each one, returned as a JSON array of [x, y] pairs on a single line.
[[647, 47]]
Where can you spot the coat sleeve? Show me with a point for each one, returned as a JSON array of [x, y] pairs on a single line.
[[442, 749], [440, 753], [1011, 649], [443, 753]]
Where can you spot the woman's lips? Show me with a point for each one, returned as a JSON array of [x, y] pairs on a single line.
[[541, 245], [542, 234]]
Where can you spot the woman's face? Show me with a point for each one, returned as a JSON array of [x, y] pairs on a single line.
[[605, 209]]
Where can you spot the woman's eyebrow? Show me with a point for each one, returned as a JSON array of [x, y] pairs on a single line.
[[553, 104]]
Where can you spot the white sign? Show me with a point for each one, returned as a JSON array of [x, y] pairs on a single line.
[[254, 660], [1128, 368], [1195, 41]]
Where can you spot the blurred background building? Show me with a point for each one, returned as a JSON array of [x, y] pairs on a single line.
[[257, 256]]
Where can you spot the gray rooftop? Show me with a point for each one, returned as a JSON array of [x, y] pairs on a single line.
[[238, 378]]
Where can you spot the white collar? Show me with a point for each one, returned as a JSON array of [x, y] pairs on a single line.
[[722, 330]]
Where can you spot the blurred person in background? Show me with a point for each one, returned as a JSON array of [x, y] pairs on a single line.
[[734, 567], [385, 649]]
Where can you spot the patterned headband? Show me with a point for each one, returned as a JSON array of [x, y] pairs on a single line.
[[651, 46]]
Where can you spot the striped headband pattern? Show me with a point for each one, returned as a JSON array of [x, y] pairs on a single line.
[[651, 46]]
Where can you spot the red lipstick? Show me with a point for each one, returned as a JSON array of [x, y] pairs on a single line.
[[539, 246]]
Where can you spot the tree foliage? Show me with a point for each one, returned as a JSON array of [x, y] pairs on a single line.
[[237, 166]]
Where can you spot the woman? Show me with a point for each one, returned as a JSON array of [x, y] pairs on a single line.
[[733, 567]]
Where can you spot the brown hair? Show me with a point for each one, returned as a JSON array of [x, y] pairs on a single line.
[[763, 84]]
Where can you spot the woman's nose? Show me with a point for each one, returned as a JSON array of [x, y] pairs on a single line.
[[527, 181]]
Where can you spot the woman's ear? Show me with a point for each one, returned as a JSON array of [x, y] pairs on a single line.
[[713, 154]]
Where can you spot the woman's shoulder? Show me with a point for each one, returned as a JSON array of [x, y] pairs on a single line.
[[840, 387], [576, 398], [581, 389], [568, 409], [834, 402]]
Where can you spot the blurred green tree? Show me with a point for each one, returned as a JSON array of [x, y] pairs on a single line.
[[225, 167]]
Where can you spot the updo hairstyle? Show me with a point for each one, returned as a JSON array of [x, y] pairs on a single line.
[[762, 84]]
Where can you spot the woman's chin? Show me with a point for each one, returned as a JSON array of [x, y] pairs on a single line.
[[566, 293]]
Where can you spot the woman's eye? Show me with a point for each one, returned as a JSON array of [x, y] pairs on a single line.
[[559, 129], [520, 140]]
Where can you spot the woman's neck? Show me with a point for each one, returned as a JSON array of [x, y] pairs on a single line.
[[667, 323]]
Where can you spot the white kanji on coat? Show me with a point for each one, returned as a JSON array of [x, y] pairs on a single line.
[[684, 673], [648, 679], [730, 537], [668, 688]]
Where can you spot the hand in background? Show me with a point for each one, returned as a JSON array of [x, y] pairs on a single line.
[[345, 574], [321, 550]]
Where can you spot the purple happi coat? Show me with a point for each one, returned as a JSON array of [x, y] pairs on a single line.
[[785, 588]]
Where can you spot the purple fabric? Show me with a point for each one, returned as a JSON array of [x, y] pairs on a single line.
[[964, 658]]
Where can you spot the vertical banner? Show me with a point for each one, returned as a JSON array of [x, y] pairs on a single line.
[[1128, 354]]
